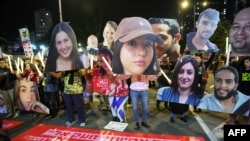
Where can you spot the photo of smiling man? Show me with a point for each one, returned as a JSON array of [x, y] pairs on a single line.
[[226, 98], [240, 34]]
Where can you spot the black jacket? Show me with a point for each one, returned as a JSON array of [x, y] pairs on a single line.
[[7, 79]]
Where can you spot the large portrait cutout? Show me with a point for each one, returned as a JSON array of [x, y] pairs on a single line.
[[134, 52], [239, 36], [190, 73], [226, 96], [169, 31], [63, 51], [206, 25], [26, 97], [185, 77]]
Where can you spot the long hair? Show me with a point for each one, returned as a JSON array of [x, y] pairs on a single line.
[[153, 68], [182, 61], [17, 100], [114, 25], [53, 54]]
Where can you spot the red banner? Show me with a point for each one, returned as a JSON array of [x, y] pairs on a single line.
[[43, 132], [10, 124]]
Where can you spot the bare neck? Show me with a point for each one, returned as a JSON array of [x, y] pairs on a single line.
[[199, 43]]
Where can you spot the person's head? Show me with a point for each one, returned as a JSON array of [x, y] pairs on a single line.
[[30, 67], [107, 54], [63, 44], [3, 63], [246, 61], [92, 41], [169, 31], [165, 61], [207, 23], [240, 32], [198, 57], [1, 99], [226, 82], [65, 40], [185, 75], [25, 92], [109, 32], [134, 51]]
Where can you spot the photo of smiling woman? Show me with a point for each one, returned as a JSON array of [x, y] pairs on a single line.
[[184, 86], [63, 51], [134, 52], [26, 97]]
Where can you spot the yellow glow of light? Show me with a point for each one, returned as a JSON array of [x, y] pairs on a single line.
[[184, 4], [204, 4]]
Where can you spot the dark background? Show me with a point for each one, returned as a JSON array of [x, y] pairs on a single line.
[[89, 16], [15, 14]]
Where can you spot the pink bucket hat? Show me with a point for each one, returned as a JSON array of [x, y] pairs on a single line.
[[133, 27]]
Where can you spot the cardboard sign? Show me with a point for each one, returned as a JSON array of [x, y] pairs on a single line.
[[25, 38], [100, 85], [116, 126]]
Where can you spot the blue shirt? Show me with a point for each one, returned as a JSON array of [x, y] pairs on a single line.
[[168, 94], [210, 102]]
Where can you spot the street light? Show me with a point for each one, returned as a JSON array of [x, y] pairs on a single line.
[[204, 4], [185, 4]]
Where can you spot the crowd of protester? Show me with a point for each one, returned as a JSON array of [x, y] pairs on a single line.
[[53, 87]]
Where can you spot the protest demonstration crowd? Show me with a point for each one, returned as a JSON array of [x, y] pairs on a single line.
[[135, 55]]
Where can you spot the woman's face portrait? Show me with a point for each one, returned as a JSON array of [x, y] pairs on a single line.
[[109, 33], [27, 93], [136, 55], [64, 44], [186, 76], [102, 63]]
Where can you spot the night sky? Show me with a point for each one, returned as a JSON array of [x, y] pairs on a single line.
[[15, 14]]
